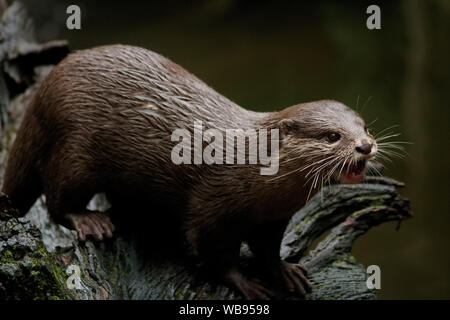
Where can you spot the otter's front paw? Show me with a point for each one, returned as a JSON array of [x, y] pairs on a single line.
[[251, 290], [95, 224], [294, 277]]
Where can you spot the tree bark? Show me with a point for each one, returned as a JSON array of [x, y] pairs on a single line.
[[36, 255]]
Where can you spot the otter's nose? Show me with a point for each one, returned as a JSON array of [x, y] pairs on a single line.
[[365, 148]]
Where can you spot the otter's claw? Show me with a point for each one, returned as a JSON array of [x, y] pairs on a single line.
[[251, 290], [95, 224], [294, 276]]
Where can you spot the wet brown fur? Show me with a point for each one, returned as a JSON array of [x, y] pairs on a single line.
[[101, 122]]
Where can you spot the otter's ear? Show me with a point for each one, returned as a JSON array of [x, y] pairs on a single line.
[[287, 126]]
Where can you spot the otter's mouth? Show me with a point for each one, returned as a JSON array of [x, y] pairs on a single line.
[[354, 173]]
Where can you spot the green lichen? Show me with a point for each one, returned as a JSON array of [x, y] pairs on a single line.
[[179, 293], [27, 270], [368, 210], [339, 263], [376, 200], [309, 218]]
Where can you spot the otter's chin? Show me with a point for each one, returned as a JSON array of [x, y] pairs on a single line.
[[354, 173]]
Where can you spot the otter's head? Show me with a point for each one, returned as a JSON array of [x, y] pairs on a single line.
[[325, 140]]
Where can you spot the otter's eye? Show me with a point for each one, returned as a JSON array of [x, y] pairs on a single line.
[[333, 136]]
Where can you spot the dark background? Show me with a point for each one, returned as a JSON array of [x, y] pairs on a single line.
[[267, 55]]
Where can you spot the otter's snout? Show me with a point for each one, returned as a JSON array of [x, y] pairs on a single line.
[[365, 148]]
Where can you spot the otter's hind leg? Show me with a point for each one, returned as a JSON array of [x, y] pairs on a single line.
[[67, 206], [218, 243], [265, 242]]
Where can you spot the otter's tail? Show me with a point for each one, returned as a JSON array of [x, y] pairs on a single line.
[[22, 182]]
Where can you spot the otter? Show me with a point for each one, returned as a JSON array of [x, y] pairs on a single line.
[[102, 121]]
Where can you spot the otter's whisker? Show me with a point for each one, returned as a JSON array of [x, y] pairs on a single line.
[[398, 142], [388, 136], [391, 153], [386, 129], [343, 165], [317, 171], [306, 156], [372, 169], [312, 177], [368, 99], [382, 157], [310, 190], [323, 165], [391, 146], [296, 170], [315, 164], [330, 173], [371, 123], [321, 189]]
